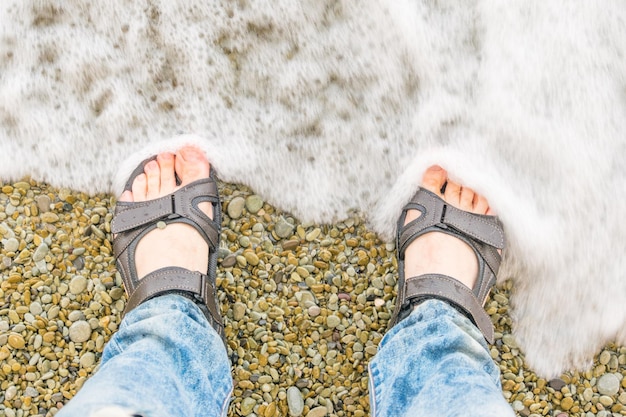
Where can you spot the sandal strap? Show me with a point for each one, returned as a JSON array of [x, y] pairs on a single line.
[[193, 285], [449, 289], [436, 212], [183, 203]]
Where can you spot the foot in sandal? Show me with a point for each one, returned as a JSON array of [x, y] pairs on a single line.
[[449, 245], [166, 228]]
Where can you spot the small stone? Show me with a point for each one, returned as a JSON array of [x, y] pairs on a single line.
[[332, 321], [295, 402], [49, 217], [567, 403], [254, 203], [229, 261], [317, 412], [87, 360], [41, 252], [239, 311], [251, 258], [35, 308], [161, 225], [312, 235], [235, 207], [43, 203], [302, 383], [509, 340], [283, 229], [78, 284], [290, 244], [557, 384], [605, 357], [247, 405], [16, 341], [31, 392], [10, 393], [80, 331], [314, 311], [605, 400], [11, 244], [608, 384]]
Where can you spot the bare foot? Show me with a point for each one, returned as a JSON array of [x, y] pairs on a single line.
[[177, 244], [441, 253]]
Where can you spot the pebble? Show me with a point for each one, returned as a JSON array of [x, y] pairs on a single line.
[[254, 203], [41, 252], [314, 311], [239, 311], [16, 341], [11, 244], [295, 402], [332, 321], [235, 207], [87, 360], [229, 261], [43, 203], [10, 393], [78, 284], [247, 405], [283, 229], [80, 331], [317, 412], [608, 384]]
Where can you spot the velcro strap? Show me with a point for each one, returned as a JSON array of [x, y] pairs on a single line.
[[486, 229], [136, 214], [167, 280], [447, 288]]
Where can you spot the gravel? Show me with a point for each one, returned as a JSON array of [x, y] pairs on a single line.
[[305, 307]]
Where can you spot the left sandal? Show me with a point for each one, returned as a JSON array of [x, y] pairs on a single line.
[[134, 220], [483, 233]]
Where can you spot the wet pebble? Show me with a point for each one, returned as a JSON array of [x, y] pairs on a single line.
[[254, 203], [608, 384], [235, 207]]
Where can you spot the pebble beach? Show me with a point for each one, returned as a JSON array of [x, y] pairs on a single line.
[[305, 307]]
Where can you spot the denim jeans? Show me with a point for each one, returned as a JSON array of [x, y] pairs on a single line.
[[166, 360], [435, 363]]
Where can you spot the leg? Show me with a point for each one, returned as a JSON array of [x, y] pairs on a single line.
[[166, 359], [436, 361]]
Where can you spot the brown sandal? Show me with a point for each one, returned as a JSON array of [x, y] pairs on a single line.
[[133, 220], [484, 234]]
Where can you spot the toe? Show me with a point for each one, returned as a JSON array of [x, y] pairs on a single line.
[[481, 205], [452, 195], [153, 176], [127, 196], [191, 164], [168, 176], [434, 178], [139, 188], [467, 199]]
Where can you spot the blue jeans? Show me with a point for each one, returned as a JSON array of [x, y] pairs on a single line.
[[435, 363], [167, 361]]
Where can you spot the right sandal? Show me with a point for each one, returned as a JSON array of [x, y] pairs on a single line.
[[484, 234]]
